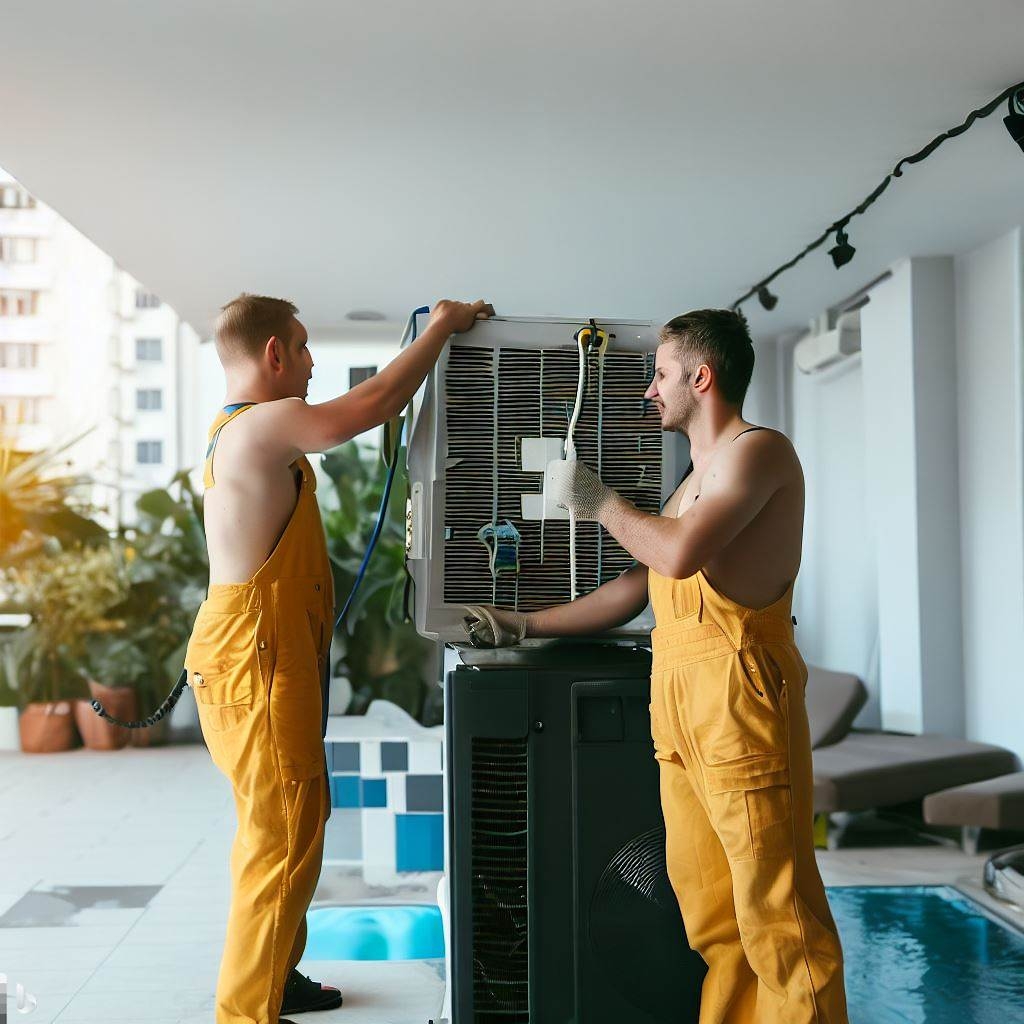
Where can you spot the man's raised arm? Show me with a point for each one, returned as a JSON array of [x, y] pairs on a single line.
[[300, 428]]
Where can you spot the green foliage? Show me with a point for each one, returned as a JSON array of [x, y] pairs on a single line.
[[382, 654]]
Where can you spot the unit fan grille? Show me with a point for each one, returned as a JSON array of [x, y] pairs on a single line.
[[500, 918]]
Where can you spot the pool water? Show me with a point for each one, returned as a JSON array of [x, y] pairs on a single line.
[[374, 933], [913, 954], [927, 955]]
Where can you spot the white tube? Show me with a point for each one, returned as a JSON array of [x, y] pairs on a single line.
[[570, 456]]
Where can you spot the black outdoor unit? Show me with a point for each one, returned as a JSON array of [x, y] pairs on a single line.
[[561, 909]]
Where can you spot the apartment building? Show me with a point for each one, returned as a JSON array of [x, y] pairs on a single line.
[[86, 350]]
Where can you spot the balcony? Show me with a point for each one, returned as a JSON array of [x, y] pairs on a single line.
[[29, 383], [27, 276], [32, 223], [25, 328]]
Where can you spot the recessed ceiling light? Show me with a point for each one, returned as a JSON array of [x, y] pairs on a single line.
[[364, 314]]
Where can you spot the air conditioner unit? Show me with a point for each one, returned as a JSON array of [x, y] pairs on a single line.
[[495, 410], [816, 352]]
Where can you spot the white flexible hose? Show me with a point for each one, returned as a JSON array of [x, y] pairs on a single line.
[[570, 456]]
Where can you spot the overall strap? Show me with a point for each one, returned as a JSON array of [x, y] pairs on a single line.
[[224, 417]]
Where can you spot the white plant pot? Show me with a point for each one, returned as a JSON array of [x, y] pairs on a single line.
[[9, 737]]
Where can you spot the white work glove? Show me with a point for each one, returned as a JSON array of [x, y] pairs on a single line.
[[488, 626], [576, 487]]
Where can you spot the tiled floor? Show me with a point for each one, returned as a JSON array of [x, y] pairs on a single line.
[[157, 824]]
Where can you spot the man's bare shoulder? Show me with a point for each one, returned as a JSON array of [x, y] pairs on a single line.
[[766, 456], [262, 435]]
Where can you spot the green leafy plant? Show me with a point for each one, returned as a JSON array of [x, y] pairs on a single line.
[[70, 595], [380, 652], [167, 572]]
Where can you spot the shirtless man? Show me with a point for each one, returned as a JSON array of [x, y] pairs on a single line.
[[258, 651], [728, 716]]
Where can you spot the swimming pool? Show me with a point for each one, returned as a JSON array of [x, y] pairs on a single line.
[[913, 954], [927, 955], [374, 933]]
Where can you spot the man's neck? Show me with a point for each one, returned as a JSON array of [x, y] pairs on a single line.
[[715, 428]]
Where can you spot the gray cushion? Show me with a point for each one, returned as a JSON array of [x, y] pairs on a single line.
[[994, 803], [834, 700], [877, 769]]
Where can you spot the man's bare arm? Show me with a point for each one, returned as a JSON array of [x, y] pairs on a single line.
[[613, 604], [297, 428], [738, 484]]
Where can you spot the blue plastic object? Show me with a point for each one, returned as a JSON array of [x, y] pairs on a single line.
[[926, 955], [374, 933]]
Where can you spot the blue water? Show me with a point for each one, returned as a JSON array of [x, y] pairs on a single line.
[[926, 955], [914, 954], [374, 933]]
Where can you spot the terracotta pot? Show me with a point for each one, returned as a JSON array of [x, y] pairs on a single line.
[[46, 727], [98, 733], [154, 735]]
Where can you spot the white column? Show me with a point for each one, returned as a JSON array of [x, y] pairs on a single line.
[[908, 332]]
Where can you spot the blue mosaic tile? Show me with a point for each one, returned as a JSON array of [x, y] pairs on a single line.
[[345, 757], [424, 793], [394, 757], [344, 790], [419, 842], [375, 792]]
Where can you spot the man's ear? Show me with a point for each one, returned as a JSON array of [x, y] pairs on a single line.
[[274, 351]]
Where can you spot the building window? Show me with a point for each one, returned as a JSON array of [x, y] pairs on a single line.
[[17, 302], [17, 250], [149, 350], [149, 453], [357, 374], [145, 300], [14, 197], [149, 399], [20, 411], [18, 356]]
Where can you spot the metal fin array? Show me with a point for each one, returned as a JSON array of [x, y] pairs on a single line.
[[501, 966], [630, 454]]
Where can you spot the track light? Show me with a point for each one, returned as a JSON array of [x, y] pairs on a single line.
[[1014, 120], [842, 252], [766, 298]]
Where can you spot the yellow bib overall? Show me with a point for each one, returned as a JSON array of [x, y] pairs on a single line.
[[255, 660], [731, 737]]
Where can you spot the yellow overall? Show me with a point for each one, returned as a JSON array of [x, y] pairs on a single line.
[[255, 662], [731, 737]]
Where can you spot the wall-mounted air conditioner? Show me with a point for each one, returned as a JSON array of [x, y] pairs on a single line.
[[817, 351]]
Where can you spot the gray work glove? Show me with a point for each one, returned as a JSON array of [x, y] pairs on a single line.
[[578, 488], [488, 626]]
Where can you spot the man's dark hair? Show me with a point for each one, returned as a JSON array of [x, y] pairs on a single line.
[[720, 338]]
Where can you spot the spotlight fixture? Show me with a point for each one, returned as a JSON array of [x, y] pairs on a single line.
[[842, 252], [766, 298], [1014, 120]]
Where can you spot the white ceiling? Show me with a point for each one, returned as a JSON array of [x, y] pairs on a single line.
[[556, 156]]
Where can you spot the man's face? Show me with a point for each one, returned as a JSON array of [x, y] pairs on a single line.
[[670, 390], [296, 361]]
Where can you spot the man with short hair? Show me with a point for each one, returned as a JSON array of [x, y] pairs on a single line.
[[728, 715], [257, 655]]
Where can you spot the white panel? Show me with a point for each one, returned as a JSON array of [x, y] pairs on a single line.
[[424, 758]]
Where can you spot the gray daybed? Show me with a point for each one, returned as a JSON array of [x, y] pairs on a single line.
[[860, 770]]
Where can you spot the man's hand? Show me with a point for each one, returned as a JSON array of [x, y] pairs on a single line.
[[488, 626], [451, 317], [577, 488]]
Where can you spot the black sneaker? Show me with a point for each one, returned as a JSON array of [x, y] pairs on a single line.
[[302, 995]]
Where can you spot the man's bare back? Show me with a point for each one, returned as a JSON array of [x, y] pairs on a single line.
[[249, 506]]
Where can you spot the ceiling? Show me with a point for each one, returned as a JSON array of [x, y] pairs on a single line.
[[554, 156]]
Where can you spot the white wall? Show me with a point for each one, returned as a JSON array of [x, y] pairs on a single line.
[[989, 290], [836, 597]]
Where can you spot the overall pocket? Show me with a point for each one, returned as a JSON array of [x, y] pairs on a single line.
[[221, 659], [296, 700]]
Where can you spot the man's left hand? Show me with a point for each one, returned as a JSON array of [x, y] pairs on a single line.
[[577, 488]]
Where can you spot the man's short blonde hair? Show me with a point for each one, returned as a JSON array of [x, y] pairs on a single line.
[[247, 323]]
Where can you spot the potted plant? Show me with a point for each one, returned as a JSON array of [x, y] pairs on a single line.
[[378, 647], [69, 594]]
